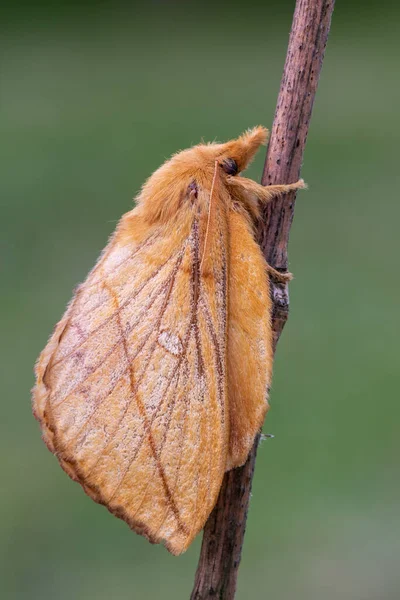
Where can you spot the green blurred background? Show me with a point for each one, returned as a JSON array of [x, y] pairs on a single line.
[[94, 97]]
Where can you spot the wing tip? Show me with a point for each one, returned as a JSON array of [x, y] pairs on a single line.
[[71, 467]]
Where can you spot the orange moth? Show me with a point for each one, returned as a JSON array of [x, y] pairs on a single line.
[[155, 381]]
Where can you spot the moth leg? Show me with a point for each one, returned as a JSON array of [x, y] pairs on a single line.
[[277, 276], [263, 193], [269, 192]]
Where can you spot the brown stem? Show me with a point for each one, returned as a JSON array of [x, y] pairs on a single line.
[[224, 531]]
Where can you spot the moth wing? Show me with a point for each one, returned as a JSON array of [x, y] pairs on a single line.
[[249, 354], [131, 388]]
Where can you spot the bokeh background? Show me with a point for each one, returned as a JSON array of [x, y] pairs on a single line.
[[94, 97]]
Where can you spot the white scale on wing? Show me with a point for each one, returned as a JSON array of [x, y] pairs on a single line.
[[171, 342]]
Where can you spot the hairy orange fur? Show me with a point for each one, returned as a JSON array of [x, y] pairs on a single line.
[[155, 381]]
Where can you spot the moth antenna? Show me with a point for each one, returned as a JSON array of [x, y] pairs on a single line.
[[209, 217]]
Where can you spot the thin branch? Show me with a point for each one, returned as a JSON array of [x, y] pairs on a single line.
[[221, 549]]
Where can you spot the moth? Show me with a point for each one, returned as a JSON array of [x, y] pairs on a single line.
[[155, 381]]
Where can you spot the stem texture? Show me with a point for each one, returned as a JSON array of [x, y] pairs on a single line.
[[224, 531]]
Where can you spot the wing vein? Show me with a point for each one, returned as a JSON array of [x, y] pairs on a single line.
[[141, 246], [178, 468], [111, 317], [134, 387], [93, 370], [125, 371], [218, 358], [153, 417]]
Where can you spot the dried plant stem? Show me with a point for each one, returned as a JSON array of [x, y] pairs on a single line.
[[221, 549]]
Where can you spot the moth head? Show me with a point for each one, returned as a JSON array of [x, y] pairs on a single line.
[[192, 172], [232, 157], [229, 160], [236, 155]]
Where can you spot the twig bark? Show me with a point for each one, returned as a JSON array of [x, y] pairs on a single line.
[[221, 549]]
